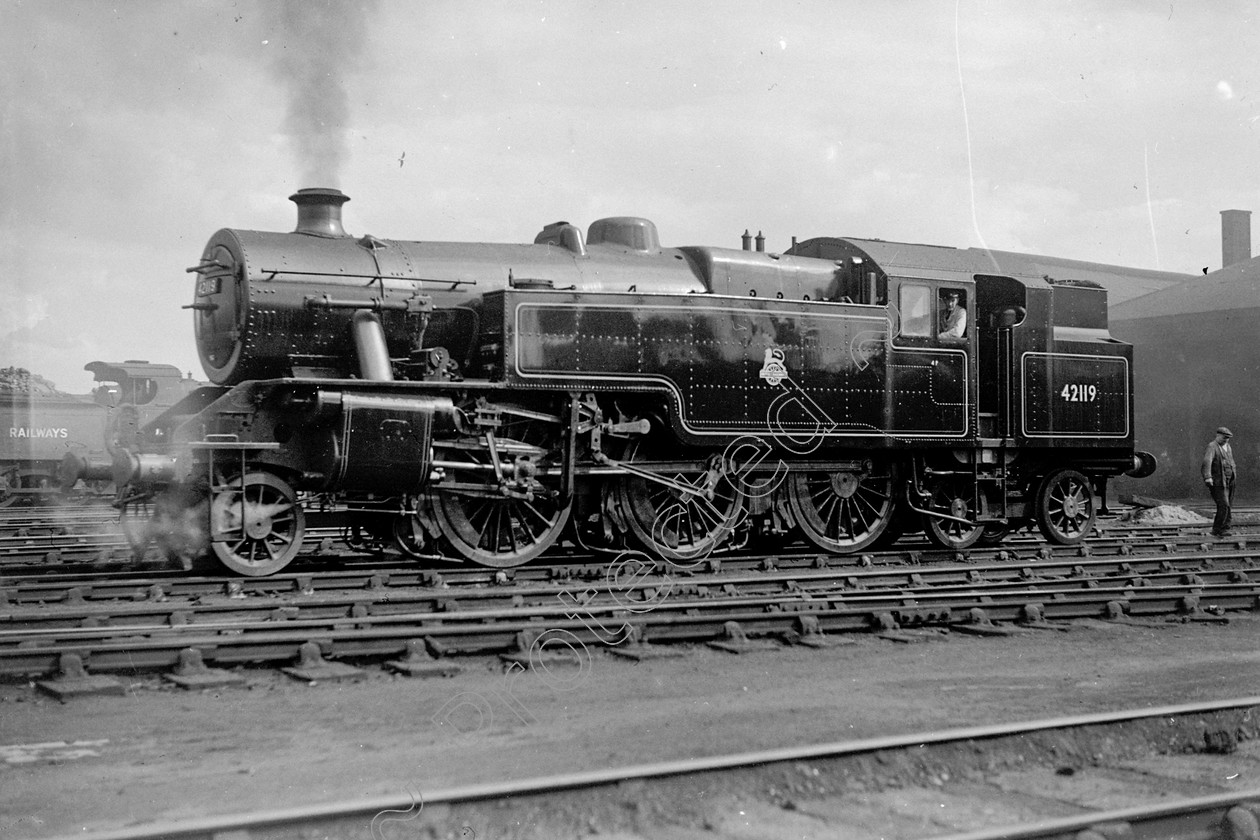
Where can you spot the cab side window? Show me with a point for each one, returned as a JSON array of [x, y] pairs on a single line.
[[142, 391], [915, 305]]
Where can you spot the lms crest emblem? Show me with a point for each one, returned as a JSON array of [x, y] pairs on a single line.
[[773, 369]]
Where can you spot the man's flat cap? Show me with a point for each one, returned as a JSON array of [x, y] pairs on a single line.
[[1223, 430]]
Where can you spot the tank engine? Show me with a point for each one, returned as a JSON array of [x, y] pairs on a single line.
[[489, 398]]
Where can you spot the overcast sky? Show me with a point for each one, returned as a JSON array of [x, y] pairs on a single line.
[[1106, 131]]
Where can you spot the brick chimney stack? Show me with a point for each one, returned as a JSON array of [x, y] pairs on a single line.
[[1235, 237]]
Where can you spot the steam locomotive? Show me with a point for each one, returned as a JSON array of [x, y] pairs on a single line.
[[482, 401], [42, 429]]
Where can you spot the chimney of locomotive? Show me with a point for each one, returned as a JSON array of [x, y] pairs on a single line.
[[1235, 237], [319, 211]]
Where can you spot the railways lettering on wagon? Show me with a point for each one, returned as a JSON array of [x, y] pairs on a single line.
[[483, 401], [29, 432]]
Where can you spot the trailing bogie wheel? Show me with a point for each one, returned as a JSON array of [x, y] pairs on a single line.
[[256, 524], [954, 498], [843, 512], [1064, 507]]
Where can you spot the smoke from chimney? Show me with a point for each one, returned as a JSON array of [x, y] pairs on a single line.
[[315, 44], [1235, 237]]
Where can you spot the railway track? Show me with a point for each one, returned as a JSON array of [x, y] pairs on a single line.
[[1185, 771], [70, 601], [357, 605], [328, 566], [303, 624]]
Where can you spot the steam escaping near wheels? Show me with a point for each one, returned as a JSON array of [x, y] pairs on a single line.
[[173, 521]]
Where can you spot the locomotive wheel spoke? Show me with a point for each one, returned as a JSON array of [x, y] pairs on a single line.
[[842, 512], [499, 533], [491, 527], [262, 522], [673, 524], [1065, 507], [954, 498]]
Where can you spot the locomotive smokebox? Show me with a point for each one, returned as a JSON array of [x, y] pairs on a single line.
[[319, 211]]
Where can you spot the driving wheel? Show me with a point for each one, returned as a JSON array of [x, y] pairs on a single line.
[[842, 512], [684, 517], [501, 506]]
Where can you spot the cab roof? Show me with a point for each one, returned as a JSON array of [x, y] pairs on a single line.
[[906, 259], [131, 369]]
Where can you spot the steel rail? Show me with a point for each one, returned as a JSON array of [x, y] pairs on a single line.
[[309, 572], [1137, 571], [211, 827], [914, 606], [352, 585], [460, 584], [26, 555], [1198, 818], [124, 647], [76, 555], [158, 608]]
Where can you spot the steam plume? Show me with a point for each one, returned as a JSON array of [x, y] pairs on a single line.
[[315, 44]]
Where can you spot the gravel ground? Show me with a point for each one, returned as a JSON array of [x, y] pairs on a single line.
[[161, 753]]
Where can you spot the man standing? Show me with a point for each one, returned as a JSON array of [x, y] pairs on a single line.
[[1218, 475]]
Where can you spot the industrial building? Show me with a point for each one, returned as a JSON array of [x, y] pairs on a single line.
[[1196, 368]]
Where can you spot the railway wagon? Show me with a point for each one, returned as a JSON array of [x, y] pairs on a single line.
[[42, 428], [486, 400]]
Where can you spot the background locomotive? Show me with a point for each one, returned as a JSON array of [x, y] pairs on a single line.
[[487, 399], [40, 427]]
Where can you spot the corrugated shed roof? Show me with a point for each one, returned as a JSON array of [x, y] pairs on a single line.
[[1231, 288], [1121, 282]]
